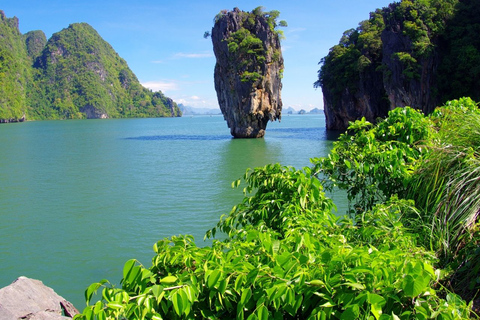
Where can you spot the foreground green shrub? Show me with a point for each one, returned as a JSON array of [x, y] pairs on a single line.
[[285, 256], [372, 163], [446, 188]]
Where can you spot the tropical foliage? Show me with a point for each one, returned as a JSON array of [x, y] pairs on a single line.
[[245, 46], [76, 74], [283, 254]]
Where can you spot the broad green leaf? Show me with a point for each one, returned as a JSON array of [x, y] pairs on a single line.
[[98, 307], [413, 286], [376, 303], [351, 312], [156, 290], [177, 303], [168, 280], [262, 313], [92, 289], [246, 295], [347, 163], [213, 278], [127, 268], [114, 305], [355, 285], [239, 282]]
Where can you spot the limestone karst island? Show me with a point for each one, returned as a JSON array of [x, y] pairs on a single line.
[[249, 68], [74, 75]]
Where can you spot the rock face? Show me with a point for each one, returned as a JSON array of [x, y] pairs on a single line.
[[30, 299], [248, 71], [401, 88], [397, 58]]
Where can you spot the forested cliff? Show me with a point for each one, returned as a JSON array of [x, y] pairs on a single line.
[[417, 53], [75, 74]]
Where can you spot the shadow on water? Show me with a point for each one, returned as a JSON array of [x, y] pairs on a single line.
[[333, 135], [176, 137], [315, 134]]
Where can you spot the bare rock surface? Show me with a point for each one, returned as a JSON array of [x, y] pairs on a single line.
[[30, 299]]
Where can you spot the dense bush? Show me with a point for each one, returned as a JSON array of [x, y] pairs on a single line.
[[283, 254]]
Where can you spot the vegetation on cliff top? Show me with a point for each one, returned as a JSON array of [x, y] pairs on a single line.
[[76, 74], [285, 255], [247, 48], [445, 31]]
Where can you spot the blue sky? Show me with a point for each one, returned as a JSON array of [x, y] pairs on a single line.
[[162, 41]]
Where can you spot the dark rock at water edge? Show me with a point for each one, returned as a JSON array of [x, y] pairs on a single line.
[[30, 299], [248, 85]]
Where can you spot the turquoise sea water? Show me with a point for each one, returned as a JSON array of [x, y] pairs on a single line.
[[80, 198]]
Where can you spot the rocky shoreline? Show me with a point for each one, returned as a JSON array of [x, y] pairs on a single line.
[[30, 299]]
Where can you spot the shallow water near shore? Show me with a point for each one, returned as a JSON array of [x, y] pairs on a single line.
[[79, 198]]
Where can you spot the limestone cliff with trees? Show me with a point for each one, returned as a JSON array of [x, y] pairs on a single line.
[[411, 53], [75, 74], [249, 69]]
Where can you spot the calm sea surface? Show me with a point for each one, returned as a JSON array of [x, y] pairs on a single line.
[[80, 198]]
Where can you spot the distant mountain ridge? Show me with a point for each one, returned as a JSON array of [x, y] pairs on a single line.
[[75, 74], [186, 110]]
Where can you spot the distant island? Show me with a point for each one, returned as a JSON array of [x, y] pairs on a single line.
[[188, 111], [74, 75]]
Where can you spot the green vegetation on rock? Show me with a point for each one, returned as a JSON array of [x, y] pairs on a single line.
[[248, 48], [285, 255], [75, 74], [421, 53], [14, 70]]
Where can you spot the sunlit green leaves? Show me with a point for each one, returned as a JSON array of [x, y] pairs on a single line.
[[284, 254]]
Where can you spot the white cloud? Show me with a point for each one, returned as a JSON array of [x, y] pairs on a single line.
[[164, 86], [196, 101], [292, 30], [193, 55]]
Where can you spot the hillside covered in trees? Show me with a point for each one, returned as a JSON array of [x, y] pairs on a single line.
[[75, 74], [417, 53]]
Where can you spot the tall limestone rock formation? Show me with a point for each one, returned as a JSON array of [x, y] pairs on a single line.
[[402, 56], [249, 70]]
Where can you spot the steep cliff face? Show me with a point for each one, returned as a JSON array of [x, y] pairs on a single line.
[[389, 61], [408, 75], [248, 71], [367, 98]]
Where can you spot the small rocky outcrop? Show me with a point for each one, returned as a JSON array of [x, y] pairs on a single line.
[[248, 71], [30, 299]]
